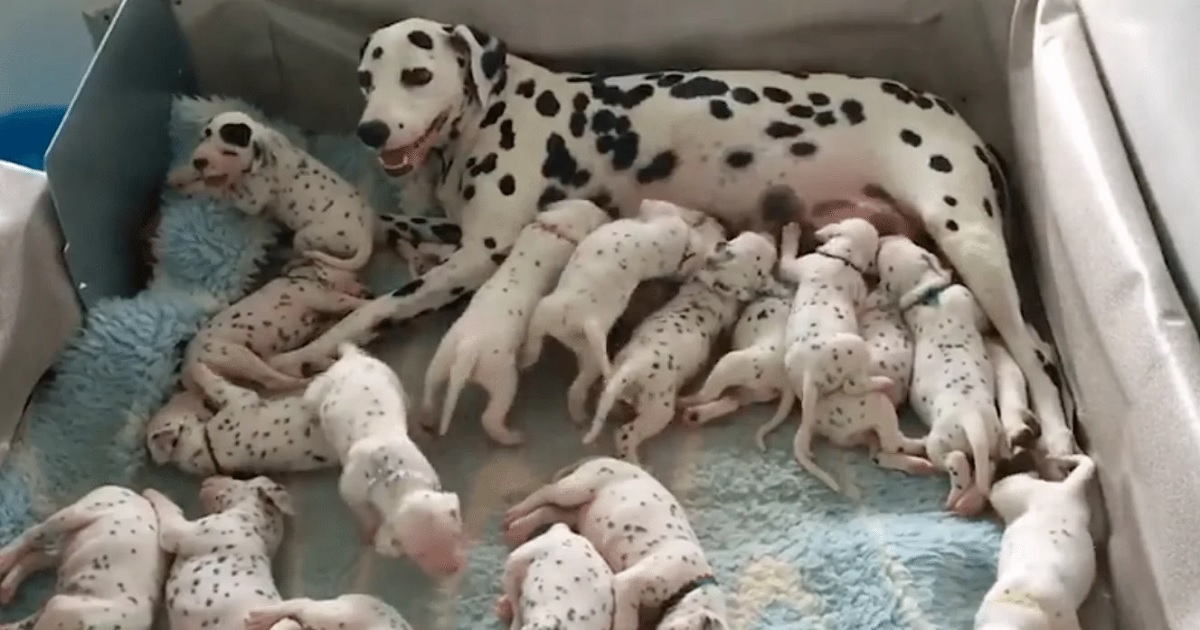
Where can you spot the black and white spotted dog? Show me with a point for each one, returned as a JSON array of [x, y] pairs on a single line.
[[502, 137], [556, 580]]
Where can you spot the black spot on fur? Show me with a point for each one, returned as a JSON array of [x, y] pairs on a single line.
[[526, 88], [561, 166], [952, 225], [507, 185], [950, 201], [987, 207], [363, 48], [468, 192], [940, 164], [699, 87], [719, 109], [493, 114], [447, 233], [670, 79], [421, 39], [237, 134], [578, 124], [547, 104], [783, 130], [660, 167], [911, 138], [550, 195], [1022, 461], [803, 149], [801, 111], [508, 137], [853, 111], [739, 159], [485, 166], [745, 96], [377, 53], [825, 119], [489, 243], [943, 105], [498, 258], [902, 94], [615, 96], [818, 99], [777, 95], [409, 288], [924, 102], [605, 201]]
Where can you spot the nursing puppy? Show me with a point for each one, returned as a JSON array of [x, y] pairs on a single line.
[[256, 168], [753, 368], [953, 385], [284, 314], [386, 481], [825, 352], [671, 347], [222, 567], [110, 569], [351, 611], [642, 532], [482, 344], [1047, 555], [248, 434], [601, 276], [556, 580]]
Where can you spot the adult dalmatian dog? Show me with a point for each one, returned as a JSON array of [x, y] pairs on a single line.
[[501, 138]]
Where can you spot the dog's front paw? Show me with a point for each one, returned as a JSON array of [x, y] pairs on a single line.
[[503, 609], [261, 620]]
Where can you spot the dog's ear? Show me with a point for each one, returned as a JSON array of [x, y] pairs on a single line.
[[484, 59], [237, 134], [274, 494], [161, 442]]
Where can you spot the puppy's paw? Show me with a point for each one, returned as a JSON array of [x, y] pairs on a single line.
[[261, 620], [503, 609]]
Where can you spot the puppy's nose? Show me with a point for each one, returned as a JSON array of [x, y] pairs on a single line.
[[200, 163], [373, 133]]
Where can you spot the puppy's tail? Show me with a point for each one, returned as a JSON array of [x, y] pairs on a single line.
[[787, 400], [981, 450], [359, 260], [535, 334], [616, 386], [802, 444], [1085, 469], [461, 370], [598, 341]]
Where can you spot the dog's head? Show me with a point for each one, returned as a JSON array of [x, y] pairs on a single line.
[[701, 609], [419, 77], [174, 430], [427, 527], [854, 239], [740, 267], [233, 146], [907, 270], [260, 496]]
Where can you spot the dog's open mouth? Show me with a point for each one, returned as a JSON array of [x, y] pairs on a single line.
[[215, 181], [400, 161]]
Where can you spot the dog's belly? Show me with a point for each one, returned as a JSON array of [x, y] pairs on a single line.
[[622, 519]]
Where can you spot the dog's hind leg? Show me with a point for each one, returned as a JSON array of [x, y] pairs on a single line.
[[498, 375]]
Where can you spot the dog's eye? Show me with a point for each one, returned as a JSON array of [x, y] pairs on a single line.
[[414, 77], [364, 79]]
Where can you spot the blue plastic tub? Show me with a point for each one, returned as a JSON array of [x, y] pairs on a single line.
[[25, 134]]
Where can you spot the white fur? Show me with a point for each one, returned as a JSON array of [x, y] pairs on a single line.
[[556, 580], [352, 611]]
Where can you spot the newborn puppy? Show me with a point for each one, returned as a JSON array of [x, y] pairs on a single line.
[[110, 572], [347, 612], [889, 341], [222, 566], [284, 314], [482, 344], [253, 167], [248, 434], [1047, 556], [1012, 396], [643, 534], [386, 481], [671, 347], [953, 386], [601, 276], [556, 580]]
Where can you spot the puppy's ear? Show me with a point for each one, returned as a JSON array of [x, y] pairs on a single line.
[[484, 58], [161, 442], [274, 494], [236, 134]]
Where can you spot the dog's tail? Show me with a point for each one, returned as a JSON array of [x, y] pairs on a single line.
[[465, 358], [1085, 469], [616, 386], [439, 368], [728, 372], [598, 341], [981, 450], [359, 260], [535, 334], [802, 444], [787, 400]]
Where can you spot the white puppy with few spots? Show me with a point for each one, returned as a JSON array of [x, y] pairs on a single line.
[[386, 481], [556, 580], [601, 276], [644, 535], [352, 611], [483, 343], [247, 434], [110, 569], [256, 168], [281, 315], [1047, 555], [953, 384], [673, 345], [222, 567]]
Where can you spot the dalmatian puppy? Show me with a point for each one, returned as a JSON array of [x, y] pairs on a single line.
[[556, 580], [169, 435], [1021, 427], [889, 341], [953, 384], [386, 481], [110, 572], [674, 344], [257, 169], [248, 434], [512, 136], [279, 316], [665, 241], [483, 343], [825, 352], [754, 366], [1047, 555], [222, 567], [642, 532], [352, 611]]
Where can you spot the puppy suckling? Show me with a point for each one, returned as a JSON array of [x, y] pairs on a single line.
[[256, 168], [222, 567], [248, 434], [352, 611], [282, 315], [556, 580], [824, 351], [386, 481], [482, 344], [110, 569], [601, 276], [637, 525], [953, 385], [674, 344], [1047, 555]]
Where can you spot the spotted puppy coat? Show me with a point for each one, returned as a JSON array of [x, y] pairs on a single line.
[[953, 384], [386, 481], [642, 532], [282, 315], [674, 344], [754, 367], [248, 434], [352, 611], [483, 343], [510, 137], [257, 169], [665, 241], [222, 567], [110, 571], [556, 580], [1047, 556]]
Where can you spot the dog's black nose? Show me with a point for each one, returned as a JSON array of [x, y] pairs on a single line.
[[373, 133], [200, 163]]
